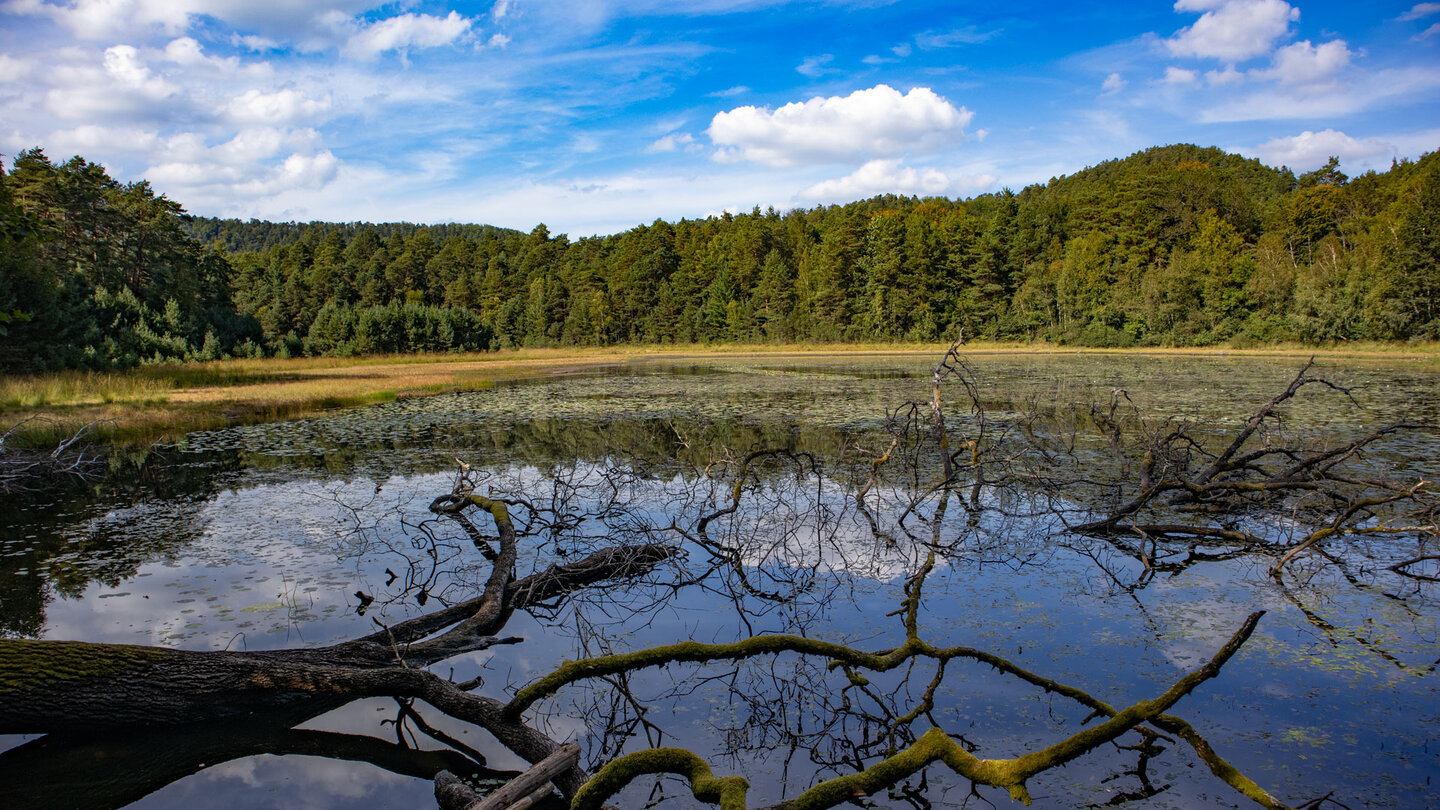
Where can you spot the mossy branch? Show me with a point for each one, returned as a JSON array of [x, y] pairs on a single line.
[[728, 793], [933, 746]]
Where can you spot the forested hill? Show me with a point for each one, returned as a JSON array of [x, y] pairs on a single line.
[[241, 236], [1176, 245]]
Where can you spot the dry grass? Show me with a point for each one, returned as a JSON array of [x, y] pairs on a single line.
[[154, 402]]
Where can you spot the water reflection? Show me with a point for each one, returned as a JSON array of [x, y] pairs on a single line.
[[243, 538]]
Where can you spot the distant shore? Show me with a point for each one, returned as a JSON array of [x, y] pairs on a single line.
[[160, 402]]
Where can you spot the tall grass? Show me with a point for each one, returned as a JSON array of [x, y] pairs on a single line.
[[64, 388]]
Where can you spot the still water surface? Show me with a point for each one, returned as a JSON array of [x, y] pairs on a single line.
[[259, 537]]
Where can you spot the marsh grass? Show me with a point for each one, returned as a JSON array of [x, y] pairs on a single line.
[[68, 388], [163, 401]]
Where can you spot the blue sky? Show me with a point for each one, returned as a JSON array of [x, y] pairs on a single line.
[[595, 116]]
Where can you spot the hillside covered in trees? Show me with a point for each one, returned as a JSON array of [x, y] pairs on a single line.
[[1175, 245]]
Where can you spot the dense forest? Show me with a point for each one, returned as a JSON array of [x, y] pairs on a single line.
[[1175, 245]]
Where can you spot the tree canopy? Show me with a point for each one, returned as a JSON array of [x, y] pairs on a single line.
[[1174, 245]]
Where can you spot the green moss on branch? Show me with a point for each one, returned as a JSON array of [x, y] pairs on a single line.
[[28, 665], [727, 792]]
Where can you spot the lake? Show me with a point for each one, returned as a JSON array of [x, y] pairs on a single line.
[[261, 537]]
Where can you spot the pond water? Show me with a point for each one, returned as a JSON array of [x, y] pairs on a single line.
[[260, 537]]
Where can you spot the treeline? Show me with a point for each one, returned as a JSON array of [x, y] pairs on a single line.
[[1176, 245], [100, 274], [255, 235]]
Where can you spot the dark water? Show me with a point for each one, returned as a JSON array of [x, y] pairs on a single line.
[[259, 537]]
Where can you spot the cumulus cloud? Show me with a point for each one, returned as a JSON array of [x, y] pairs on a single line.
[[86, 139], [12, 69], [1227, 76], [256, 162], [407, 31], [878, 122], [188, 53], [1310, 150], [1113, 84], [105, 19], [281, 107], [1303, 63], [883, 176], [1175, 75], [1232, 30], [255, 43], [123, 84], [113, 19]]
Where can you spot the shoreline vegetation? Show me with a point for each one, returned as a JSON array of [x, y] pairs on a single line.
[[161, 402]]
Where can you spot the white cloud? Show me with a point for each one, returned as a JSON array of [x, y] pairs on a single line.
[[12, 69], [497, 41], [968, 35], [1222, 77], [87, 139], [814, 66], [1310, 150], [184, 51], [670, 142], [1114, 83], [281, 107], [885, 176], [256, 163], [107, 19], [407, 31], [902, 50], [1175, 75], [1232, 30], [254, 43], [122, 85], [116, 19], [1419, 11], [1357, 92], [878, 122], [1303, 63], [187, 53], [1427, 33], [730, 92]]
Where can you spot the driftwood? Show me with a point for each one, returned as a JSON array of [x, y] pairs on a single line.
[[24, 469], [524, 791]]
